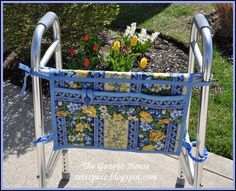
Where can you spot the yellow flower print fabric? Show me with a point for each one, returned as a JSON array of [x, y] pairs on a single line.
[[116, 122]]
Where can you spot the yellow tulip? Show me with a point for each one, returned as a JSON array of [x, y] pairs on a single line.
[[148, 148], [134, 40], [89, 110], [116, 46], [143, 63], [62, 113], [156, 135], [164, 121], [146, 117]]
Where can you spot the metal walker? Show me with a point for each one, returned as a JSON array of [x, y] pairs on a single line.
[[187, 167]]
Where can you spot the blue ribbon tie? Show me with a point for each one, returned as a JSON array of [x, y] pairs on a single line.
[[189, 147], [28, 72], [45, 139]]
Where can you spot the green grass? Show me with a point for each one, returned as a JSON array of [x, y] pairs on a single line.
[[219, 137], [170, 19], [173, 20]]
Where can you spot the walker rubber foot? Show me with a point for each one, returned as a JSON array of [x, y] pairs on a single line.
[[65, 176], [180, 182]]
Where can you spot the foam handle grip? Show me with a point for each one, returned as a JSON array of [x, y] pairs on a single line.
[[201, 21], [48, 19]]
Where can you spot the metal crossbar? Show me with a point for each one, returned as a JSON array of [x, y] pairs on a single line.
[[189, 169]]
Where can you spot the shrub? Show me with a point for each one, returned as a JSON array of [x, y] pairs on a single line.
[[75, 20]]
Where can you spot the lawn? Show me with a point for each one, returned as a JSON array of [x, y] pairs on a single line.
[[174, 20]]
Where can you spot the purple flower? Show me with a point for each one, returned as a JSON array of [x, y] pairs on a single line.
[[121, 111], [175, 114], [132, 111], [140, 145], [158, 146], [144, 141], [145, 126], [151, 111], [73, 107], [71, 74], [89, 119], [88, 140], [159, 116], [72, 123]]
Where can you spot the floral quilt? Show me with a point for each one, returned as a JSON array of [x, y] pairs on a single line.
[[137, 122]]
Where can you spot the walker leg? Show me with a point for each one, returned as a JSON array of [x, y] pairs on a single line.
[[41, 165], [65, 165], [180, 181], [198, 175]]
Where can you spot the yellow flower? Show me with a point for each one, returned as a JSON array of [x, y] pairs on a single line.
[[156, 135], [90, 111], [74, 85], [87, 126], [117, 117], [143, 63], [82, 74], [145, 117], [148, 148], [79, 127], [165, 121], [133, 41], [62, 113], [116, 46]]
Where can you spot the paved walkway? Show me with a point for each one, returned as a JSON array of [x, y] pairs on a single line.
[[90, 168]]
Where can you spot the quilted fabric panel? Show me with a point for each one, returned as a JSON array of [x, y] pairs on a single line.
[[120, 116]]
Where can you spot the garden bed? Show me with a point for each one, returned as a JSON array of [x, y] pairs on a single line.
[[165, 55]]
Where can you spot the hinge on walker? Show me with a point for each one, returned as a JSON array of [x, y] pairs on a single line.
[[189, 146]]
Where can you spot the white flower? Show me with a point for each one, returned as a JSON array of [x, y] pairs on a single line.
[[141, 136], [156, 88], [105, 116], [131, 110], [143, 36], [133, 28], [154, 36], [144, 32], [163, 112], [103, 109], [132, 118], [180, 112], [130, 30], [59, 103], [127, 31], [71, 138], [79, 136], [166, 87]]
